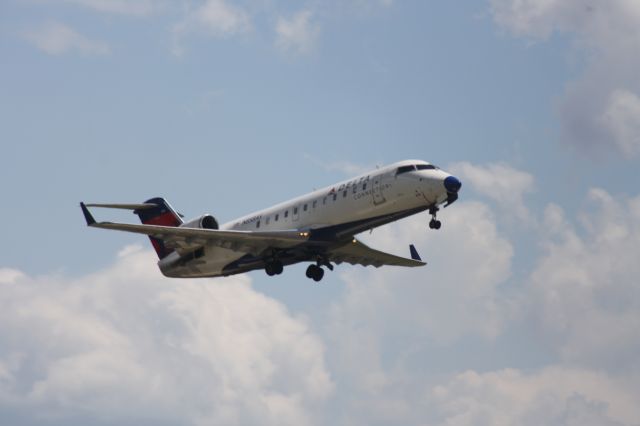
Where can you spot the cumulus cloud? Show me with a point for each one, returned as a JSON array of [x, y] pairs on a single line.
[[578, 301], [125, 344], [458, 301], [553, 396], [391, 316], [621, 118], [298, 33], [598, 111], [583, 291], [500, 182], [56, 38], [217, 18]]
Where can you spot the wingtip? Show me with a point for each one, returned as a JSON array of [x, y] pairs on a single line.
[[87, 215], [414, 253]]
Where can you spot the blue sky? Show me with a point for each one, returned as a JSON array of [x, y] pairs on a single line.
[[224, 107]]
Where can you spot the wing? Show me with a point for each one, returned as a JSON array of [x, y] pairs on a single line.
[[357, 252], [186, 240]]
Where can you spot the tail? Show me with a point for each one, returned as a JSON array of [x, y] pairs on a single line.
[[162, 214]]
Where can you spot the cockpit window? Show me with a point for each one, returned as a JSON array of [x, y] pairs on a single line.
[[405, 169], [426, 167]]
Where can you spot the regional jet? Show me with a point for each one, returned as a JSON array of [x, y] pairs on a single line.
[[319, 227]]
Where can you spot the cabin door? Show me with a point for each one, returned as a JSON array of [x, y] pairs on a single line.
[[378, 190]]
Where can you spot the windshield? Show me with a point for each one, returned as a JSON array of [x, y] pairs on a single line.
[[405, 169], [426, 167]]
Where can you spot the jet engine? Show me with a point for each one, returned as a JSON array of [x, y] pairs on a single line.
[[206, 221]]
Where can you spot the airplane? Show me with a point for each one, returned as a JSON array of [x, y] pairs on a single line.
[[318, 227]]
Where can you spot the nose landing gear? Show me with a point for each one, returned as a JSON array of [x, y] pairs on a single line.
[[434, 223]]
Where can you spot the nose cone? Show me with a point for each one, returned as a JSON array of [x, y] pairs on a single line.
[[452, 184]]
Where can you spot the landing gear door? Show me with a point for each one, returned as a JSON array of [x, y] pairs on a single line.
[[377, 190]]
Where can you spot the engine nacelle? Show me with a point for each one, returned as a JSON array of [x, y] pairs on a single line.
[[206, 221]]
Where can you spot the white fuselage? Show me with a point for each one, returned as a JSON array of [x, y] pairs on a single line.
[[378, 193], [372, 194]]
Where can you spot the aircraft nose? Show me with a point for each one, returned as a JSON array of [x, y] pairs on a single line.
[[452, 184]]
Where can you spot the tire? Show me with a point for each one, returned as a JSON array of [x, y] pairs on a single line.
[[318, 274], [268, 268], [277, 267], [310, 271]]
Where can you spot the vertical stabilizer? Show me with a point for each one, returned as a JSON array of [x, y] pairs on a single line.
[[163, 215]]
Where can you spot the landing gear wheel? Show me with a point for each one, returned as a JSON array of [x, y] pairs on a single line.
[[315, 272], [277, 267], [273, 268], [268, 268], [434, 223]]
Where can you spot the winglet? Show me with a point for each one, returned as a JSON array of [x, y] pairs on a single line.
[[414, 253], [87, 215]]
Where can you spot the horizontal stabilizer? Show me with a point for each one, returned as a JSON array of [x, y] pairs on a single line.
[[140, 206]]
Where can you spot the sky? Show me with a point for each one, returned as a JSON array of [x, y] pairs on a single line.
[[527, 313]]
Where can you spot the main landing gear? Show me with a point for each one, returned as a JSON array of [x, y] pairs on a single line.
[[434, 223], [315, 272], [274, 267]]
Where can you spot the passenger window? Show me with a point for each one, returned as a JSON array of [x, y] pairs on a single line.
[[355, 188], [286, 213], [344, 194], [258, 224], [277, 216], [295, 210], [364, 186], [268, 220], [304, 208], [324, 200], [335, 196], [315, 202]]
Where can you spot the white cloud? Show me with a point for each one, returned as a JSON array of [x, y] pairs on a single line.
[[391, 315], [56, 38], [298, 33], [217, 18], [389, 332], [552, 396], [390, 312], [123, 7], [443, 300], [598, 110], [500, 182], [9, 276], [125, 344], [622, 119], [583, 292]]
